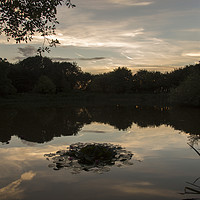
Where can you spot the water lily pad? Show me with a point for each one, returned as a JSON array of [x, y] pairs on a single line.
[[95, 157]]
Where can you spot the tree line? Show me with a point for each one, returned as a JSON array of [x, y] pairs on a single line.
[[41, 75]]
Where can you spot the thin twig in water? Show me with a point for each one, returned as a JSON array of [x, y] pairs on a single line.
[[194, 149], [193, 191], [193, 184]]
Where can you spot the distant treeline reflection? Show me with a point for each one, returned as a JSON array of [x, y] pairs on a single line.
[[43, 124]]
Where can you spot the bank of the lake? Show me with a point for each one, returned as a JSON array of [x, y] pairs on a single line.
[[83, 98]]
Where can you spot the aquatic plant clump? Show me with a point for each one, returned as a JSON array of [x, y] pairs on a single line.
[[94, 157]]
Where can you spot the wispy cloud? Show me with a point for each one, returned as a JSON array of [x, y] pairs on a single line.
[[69, 59], [106, 4], [27, 51], [132, 2], [128, 57], [193, 54], [112, 33], [77, 59]]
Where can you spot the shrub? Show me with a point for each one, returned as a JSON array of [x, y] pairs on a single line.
[[188, 92], [45, 86]]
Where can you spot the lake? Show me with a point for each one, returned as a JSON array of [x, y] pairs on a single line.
[[162, 165]]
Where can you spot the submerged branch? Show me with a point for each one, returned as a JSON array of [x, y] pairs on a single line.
[[194, 149]]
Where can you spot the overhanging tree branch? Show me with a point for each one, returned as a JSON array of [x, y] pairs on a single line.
[[21, 19]]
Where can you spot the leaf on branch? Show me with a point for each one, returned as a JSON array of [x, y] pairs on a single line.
[[20, 19]]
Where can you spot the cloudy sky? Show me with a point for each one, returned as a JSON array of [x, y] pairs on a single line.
[[104, 34]]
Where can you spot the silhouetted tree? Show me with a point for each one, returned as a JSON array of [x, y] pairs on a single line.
[[117, 81], [100, 83], [120, 80], [6, 86], [146, 81], [177, 76], [66, 76], [45, 86], [20, 19], [26, 73], [188, 92], [84, 81]]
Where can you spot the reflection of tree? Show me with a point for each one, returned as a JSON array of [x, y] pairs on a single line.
[[95, 157], [117, 116], [6, 118], [150, 117], [43, 124]]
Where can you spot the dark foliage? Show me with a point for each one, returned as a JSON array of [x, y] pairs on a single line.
[[6, 86], [66, 76], [182, 84], [188, 92], [21, 19]]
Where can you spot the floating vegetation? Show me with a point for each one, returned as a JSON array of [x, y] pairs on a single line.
[[95, 157]]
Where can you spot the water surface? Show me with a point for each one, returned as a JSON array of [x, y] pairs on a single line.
[[162, 161]]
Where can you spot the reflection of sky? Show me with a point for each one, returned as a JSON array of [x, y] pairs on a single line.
[[13, 191], [166, 163], [157, 34]]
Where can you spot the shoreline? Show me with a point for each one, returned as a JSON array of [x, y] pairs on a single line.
[[84, 98]]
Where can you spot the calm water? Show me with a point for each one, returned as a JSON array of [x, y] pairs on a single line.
[[162, 163]]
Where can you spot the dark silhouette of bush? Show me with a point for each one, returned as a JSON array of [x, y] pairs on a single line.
[[188, 92], [146, 81], [6, 86], [26, 73], [117, 81], [120, 80], [66, 76], [69, 77], [45, 86], [100, 83]]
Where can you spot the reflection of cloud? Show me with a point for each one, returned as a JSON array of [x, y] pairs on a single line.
[[145, 142], [22, 154], [27, 176], [143, 189], [12, 191], [28, 143], [93, 131], [14, 159]]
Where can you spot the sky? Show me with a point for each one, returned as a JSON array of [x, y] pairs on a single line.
[[101, 35]]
